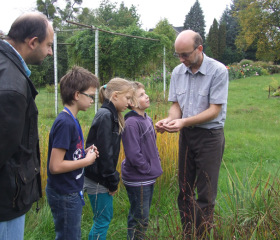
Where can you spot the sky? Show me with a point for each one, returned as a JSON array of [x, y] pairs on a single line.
[[150, 11]]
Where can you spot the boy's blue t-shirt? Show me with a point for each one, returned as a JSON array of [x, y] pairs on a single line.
[[64, 134]]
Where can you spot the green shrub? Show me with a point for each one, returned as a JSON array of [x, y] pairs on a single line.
[[272, 69], [276, 93], [246, 62], [50, 88], [248, 68]]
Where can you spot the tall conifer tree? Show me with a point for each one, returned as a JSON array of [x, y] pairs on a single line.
[[213, 39], [195, 20]]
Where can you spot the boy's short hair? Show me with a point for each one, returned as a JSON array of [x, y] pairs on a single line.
[[136, 86], [77, 79]]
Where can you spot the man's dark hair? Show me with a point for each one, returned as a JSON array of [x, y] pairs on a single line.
[[29, 26], [197, 40], [77, 79]]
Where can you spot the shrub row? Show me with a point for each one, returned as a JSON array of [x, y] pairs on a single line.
[[249, 68]]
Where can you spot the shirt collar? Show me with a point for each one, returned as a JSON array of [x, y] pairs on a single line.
[[26, 69]]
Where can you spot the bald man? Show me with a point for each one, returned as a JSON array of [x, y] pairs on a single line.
[[29, 41], [198, 92]]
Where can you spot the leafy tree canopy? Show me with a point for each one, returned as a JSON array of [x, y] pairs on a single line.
[[259, 25], [54, 12]]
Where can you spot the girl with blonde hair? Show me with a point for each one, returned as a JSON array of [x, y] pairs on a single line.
[[102, 178]]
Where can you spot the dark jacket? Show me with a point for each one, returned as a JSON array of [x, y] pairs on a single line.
[[142, 162], [20, 180], [104, 134]]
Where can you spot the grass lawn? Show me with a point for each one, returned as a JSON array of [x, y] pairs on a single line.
[[248, 199]]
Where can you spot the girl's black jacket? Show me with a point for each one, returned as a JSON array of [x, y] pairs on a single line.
[[104, 134], [20, 181]]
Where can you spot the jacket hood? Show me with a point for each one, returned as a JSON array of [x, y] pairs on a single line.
[[132, 113]]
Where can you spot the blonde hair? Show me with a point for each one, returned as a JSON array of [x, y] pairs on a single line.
[[119, 85], [136, 86]]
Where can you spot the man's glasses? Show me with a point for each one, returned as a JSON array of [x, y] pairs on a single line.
[[90, 96], [184, 55]]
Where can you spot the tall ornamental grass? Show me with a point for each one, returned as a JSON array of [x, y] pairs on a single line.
[[248, 201]]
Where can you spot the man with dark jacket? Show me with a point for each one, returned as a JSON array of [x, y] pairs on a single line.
[[29, 41]]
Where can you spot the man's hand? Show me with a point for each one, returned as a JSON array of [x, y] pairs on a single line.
[[160, 125], [174, 125]]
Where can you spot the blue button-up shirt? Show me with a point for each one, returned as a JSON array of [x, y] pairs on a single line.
[[195, 92]]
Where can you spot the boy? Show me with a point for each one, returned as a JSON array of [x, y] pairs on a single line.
[[66, 155], [141, 165]]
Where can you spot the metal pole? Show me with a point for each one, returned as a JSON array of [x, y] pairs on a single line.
[[55, 70], [96, 67], [164, 73]]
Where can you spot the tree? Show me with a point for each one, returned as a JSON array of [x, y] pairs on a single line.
[[259, 27], [195, 20], [118, 55], [213, 39], [165, 29], [87, 16], [43, 74], [47, 7], [51, 9], [230, 54], [116, 18], [222, 40]]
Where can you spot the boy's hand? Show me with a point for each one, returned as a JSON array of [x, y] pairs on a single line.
[[113, 193], [160, 125], [93, 148], [91, 156]]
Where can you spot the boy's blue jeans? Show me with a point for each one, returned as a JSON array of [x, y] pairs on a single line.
[[102, 208], [13, 229], [67, 212], [140, 199]]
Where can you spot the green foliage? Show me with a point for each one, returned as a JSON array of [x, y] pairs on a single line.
[[213, 40], [246, 62], [47, 7], [38, 74], [154, 85], [163, 27], [168, 34], [222, 40], [50, 88], [245, 70], [276, 93], [216, 44], [52, 10], [118, 55], [230, 53], [82, 50], [108, 15], [87, 17], [259, 27], [248, 200], [132, 54], [195, 20], [250, 204]]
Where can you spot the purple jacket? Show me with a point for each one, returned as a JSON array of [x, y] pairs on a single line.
[[142, 161]]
